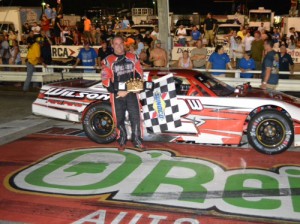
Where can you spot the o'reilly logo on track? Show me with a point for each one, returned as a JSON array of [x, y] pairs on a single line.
[[157, 177]]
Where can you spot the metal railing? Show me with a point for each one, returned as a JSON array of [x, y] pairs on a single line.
[[69, 72]]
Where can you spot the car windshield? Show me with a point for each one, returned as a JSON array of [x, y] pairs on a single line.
[[218, 87]]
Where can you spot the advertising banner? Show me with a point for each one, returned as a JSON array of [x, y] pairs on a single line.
[[177, 52], [59, 51]]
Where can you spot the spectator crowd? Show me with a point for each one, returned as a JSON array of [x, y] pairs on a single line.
[[247, 48]]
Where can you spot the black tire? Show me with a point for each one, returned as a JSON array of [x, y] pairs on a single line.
[[270, 132], [98, 123]]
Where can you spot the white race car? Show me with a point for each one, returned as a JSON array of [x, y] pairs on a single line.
[[211, 111]]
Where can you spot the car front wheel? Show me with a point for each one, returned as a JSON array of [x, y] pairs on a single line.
[[270, 132], [98, 123]]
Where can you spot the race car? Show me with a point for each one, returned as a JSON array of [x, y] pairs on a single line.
[[211, 111]]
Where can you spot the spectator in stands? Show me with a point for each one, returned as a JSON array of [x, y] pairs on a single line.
[[218, 60], [33, 58], [239, 51], [155, 34], [181, 34], [69, 38], [48, 12], [257, 49], [88, 57], [261, 28], [232, 46], [128, 41], [132, 48], [292, 32], [97, 36], [210, 25], [46, 56], [264, 35], [93, 34], [147, 38], [87, 29], [45, 25], [270, 67], [242, 32], [125, 23], [5, 54], [75, 36], [292, 43], [15, 56], [158, 55], [109, 36], [246, 64], [137, 35], [63, 34], [144, 60], [248, 41], [118, 25], [276, 37], [30, 39], [11, 37], [26, 30], [103, 29], [196, 35], [103, 52], [56, 30], [198, 55], [185, 61], [285, 62], [110, 24], [140, 46], [36, 29], [54, 15], [59, 9]]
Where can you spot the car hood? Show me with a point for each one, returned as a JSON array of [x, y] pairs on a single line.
[[269, 94]]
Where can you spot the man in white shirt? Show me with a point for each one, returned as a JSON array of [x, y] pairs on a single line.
[[36, 29], [261, 28], [155, 34], [248, 41], [181, 34]]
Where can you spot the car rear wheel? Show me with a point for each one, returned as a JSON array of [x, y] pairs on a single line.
[[98, 123], [270, 132]]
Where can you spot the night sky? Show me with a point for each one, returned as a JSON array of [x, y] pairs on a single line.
[[176, 6]]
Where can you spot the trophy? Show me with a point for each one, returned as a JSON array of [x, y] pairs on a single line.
[[135, 85]]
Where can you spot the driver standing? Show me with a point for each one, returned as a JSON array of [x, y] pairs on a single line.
[[118, 68]]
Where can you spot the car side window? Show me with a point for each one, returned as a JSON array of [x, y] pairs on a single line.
[[182, 86]]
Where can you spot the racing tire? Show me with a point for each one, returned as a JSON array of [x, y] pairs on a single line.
[[98, 123], [270, 132]]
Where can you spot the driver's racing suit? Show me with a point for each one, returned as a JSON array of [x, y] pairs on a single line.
[[121, 68]]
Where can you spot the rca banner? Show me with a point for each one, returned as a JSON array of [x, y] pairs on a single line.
[[59, 51]]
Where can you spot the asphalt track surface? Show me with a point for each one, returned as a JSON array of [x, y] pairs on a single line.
[[57, 175], [50, 172]]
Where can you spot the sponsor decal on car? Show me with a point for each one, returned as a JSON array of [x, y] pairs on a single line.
[[159, 105], [57, 92], [159, 177]]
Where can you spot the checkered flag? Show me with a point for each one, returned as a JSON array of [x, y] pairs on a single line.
[[160, 107]]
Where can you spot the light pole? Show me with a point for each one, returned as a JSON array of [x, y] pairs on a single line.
[[43, 6], [154, 7]]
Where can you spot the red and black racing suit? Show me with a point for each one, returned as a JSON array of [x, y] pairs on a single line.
[[121, 68]]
